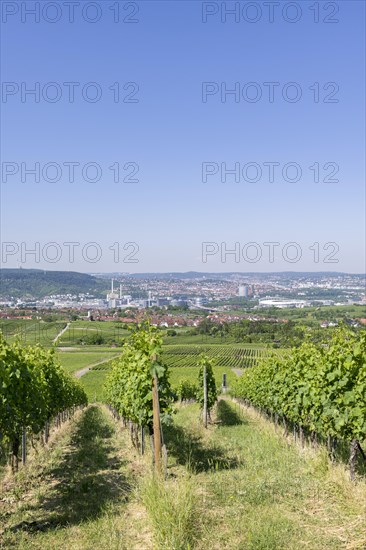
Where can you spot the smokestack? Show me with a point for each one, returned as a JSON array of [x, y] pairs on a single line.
[[112, 286], [120, 292]]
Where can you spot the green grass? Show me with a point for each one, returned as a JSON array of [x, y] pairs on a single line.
[[93, 349], [259, 492], [185, 338], [94, 380], [315, 314], [31, 331], [182, 361], [229, 356], [174, 511], [93, 384], [73, 495], [81, 329], [191, 374], [73, 361], [237, 485]]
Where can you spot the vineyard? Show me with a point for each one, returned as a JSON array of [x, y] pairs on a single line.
[[34, 389], [75, 360], [224, 356], [31, 331], [320, 390], [93, 333], [138, 388], [182, 361], [106, 366], [263, 492]]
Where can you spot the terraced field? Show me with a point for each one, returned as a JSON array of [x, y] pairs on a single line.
[[183, 363], [72, 361], [80, 331], [228, 356], [30, 331], [224, 356]]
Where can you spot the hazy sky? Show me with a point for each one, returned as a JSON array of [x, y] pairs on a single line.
[[135, 133]]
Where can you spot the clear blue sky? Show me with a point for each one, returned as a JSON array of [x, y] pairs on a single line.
[[170, 132]]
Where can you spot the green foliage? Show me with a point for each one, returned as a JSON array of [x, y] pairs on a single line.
[[98, 340], [33, 389], [35, 283], [205, 361], [129, 384], [320, 388], [94, 333], [186, 390]]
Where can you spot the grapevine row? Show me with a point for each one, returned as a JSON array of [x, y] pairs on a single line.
[[319, 389], [129, 382], [33, 389], [226, 356]]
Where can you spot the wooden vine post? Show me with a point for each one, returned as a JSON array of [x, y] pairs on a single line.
[[24, 446], [352, 458], [205, 410], [156, 421], [142, 440]]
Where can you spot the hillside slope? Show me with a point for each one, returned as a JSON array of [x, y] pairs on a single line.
[[36, 283]]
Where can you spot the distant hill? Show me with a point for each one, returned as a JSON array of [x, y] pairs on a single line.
[[225, 275], [37, 283]]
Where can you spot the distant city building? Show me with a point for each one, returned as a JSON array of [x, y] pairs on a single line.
[[112, 297], [162, 302], [243, 291], [178, 303], [280, 303]]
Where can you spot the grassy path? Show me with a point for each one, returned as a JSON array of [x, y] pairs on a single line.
[[78, 495], [255, 491], [83, 371], [239, 485], [74, 361], [59, 335]]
